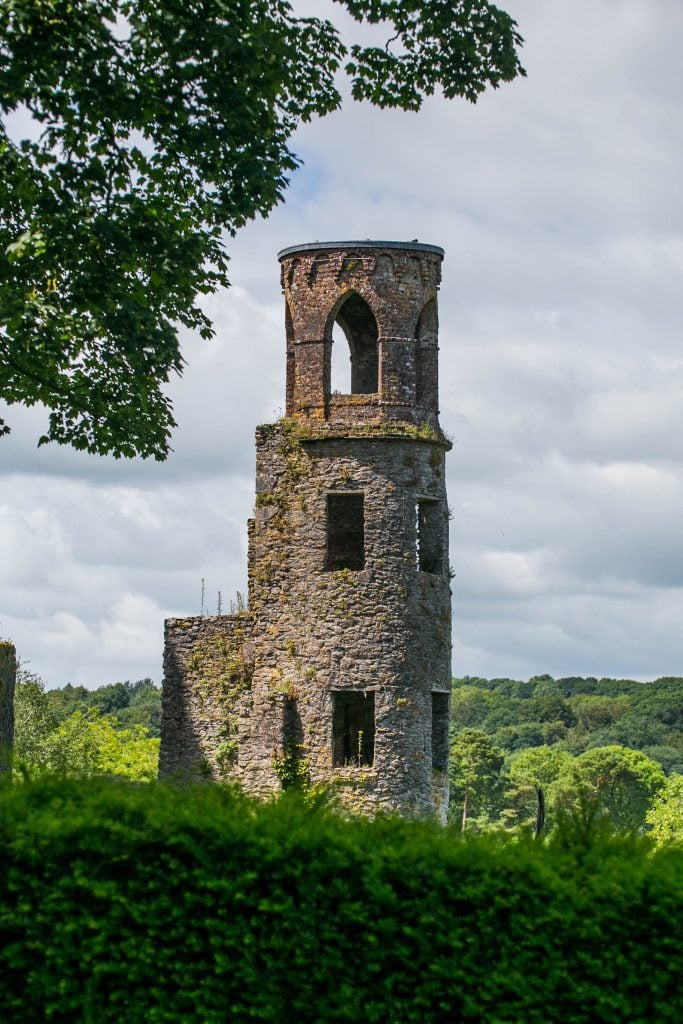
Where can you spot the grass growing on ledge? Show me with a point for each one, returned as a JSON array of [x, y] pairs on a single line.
[[385, 429]]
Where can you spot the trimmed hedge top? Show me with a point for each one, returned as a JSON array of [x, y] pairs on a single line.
[[130, 903]]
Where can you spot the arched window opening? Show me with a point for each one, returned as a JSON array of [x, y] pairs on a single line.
[[356, 370], [291, 366], [427, 329], [426, 336], [341, 362]]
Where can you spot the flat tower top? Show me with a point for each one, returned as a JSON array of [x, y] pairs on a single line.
[[359, 244]]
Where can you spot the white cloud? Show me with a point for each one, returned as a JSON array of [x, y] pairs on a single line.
[[557, 199], [87, 568]]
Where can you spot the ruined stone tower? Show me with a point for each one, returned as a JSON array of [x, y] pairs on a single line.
[[339, 671]]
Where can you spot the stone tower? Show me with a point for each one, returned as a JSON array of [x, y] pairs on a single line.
[[339, 671]]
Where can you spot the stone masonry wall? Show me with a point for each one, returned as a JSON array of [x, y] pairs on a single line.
[[254, 697], [8, 675], [398, 286], [208, 665], [385, 628], [241, 692]]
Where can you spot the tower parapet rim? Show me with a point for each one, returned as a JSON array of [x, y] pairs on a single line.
[[359, 244]]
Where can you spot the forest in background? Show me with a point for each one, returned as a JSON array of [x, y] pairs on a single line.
[[563, 743], [111, 730], [518, 749], [577, 713]]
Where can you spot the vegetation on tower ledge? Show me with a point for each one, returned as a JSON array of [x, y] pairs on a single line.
[[381, 429]]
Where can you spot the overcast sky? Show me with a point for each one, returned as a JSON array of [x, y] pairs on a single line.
[[558, 200]]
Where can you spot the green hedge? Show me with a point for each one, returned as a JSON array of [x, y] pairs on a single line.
[[130, 903]]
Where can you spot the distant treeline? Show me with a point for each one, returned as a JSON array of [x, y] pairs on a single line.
[[112, 730], [129, 703], [522, 751], [577, 713]]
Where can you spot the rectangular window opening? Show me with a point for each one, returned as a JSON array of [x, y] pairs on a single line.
[[429, 536], [345, 532], [353, 728], [440, 731]]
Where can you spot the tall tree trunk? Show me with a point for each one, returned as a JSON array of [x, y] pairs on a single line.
[[464, 811], [8, 677], [540, 811]]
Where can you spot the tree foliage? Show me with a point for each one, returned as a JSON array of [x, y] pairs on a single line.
[[665, 816], [34, 721], [598, 745], [160, 127], [54, 736], [131, 704], [584, 713], [475, 774], [528, 771], [624, 781], [87, 744]]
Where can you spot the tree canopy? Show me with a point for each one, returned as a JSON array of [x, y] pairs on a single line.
[[665, 816], [475, 765], [78, 732], [155, 129], [604, 747]]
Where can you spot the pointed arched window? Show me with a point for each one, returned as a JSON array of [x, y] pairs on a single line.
[[359, 327], [426, 335], [291, 364]]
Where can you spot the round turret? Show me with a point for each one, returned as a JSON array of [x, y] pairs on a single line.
[[383, 295]]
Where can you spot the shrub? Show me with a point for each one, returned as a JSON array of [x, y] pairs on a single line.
[[136, 903]]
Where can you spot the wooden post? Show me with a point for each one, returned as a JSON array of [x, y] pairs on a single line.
[[8, 677]]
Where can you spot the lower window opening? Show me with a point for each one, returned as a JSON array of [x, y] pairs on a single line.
[[353, 728], [440, 731], [429, 537], [345, 532]]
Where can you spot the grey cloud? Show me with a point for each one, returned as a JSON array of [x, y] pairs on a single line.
[[558, 202], [77, 557], [626, 631]]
